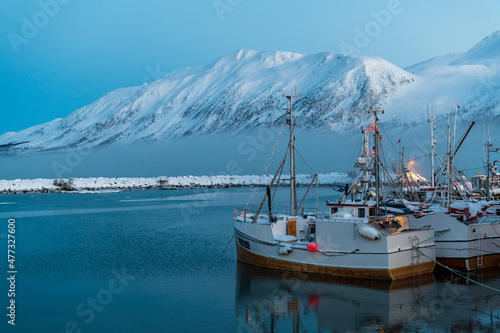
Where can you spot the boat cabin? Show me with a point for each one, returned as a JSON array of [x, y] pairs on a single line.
[[429, 193], [354, 208]]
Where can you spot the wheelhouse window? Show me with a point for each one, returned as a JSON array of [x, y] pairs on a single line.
[[333, 210], [361, 212]]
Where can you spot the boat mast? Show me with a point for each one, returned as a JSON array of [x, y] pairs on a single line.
[[488, 175], [448, 169], [291, 122], [432, 121], [377, 159], [366, 168], [403, 168], [488, 195]]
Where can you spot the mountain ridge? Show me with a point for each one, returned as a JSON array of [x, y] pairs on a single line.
[[243, 90]]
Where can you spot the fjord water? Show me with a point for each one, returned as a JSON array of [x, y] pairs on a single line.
[[149, 261]]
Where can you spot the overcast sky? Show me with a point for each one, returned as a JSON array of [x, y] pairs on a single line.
[[59, 55]]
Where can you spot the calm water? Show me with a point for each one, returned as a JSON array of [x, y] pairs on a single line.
[[149, 261]]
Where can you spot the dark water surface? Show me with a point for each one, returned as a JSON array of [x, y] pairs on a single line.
[[149, 261]]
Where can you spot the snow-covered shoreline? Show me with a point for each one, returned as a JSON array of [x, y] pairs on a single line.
[[19, 186]]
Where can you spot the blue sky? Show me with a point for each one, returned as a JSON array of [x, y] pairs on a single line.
[[59, 55]]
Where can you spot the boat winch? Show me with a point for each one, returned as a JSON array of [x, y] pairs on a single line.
[[285, 249]]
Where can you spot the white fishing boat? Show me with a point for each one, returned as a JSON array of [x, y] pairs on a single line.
[[467, 234], [467, 228], [348, 240]]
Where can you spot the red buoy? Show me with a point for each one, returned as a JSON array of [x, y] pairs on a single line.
[[313, 300], [312, 247]]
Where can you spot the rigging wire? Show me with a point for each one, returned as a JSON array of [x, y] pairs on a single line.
[[303, 159], [278, 182], [389, 138], [417, 158], [473, 168], [267, 165], [389, 152], [358, 148]]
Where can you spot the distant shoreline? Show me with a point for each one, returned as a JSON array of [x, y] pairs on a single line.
[[101, 184]]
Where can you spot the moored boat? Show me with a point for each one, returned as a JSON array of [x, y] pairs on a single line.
[[464, 217], [351, 239]]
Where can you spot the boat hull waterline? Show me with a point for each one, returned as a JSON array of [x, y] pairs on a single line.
[[464, 247], [391, 264]]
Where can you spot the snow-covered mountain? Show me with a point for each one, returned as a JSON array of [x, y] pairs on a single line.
[[470, 79], [243, 90], [235, 92]]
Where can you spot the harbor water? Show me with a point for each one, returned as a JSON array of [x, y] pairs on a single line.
[[150, 261]]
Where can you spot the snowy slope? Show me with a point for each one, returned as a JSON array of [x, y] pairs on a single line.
[[470, 79], [243, 90], [235, 92]]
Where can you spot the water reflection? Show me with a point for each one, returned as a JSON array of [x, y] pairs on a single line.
[[280, 301], [464, 306]]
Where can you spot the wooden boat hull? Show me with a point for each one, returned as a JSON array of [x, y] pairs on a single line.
[[470, 264], [344, 253], [463, 246], [249, 257]]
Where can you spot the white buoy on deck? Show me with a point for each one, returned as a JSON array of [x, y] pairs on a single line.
[[285, 249], [368, 232]]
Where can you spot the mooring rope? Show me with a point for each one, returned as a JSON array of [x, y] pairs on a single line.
[[457, 273], [227, 246], [330, 253]]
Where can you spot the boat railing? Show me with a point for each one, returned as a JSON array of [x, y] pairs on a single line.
[[331, 219], [491, 219], [249, 212]]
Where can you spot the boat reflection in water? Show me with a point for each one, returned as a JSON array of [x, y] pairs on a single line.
[[283, 301], [270, 300], [465, 306]]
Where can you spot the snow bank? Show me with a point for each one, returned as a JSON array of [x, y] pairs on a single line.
[[95, 184]]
